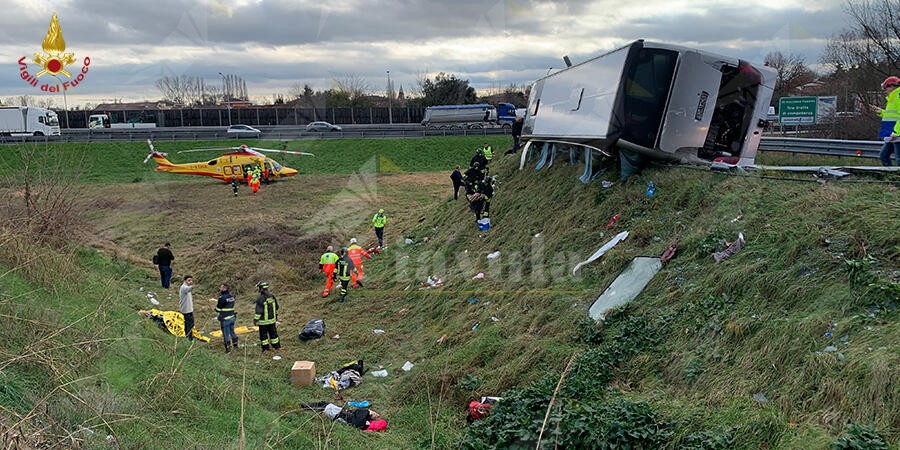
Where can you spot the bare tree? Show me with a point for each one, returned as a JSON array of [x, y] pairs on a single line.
[[353, 88], [792, 72]]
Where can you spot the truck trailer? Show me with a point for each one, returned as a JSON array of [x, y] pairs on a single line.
[[470, 116], [652, 100], [28, 120]]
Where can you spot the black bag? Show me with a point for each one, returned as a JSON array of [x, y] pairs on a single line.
[[155, 260], [314, 329]]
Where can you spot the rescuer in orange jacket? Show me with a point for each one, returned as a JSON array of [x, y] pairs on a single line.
[[326, 265], [356, 254]]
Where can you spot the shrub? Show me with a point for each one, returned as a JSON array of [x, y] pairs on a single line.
[[860, 437]]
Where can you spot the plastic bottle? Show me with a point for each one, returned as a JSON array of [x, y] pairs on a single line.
[[651, 189]]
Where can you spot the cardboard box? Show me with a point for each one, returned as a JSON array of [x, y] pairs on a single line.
[[303, 373]]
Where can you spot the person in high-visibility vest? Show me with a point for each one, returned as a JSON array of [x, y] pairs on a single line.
[[344, 271], [326, 265], [254, 182], [378, 222], [356, 254], [890, 122], [266, 317], [488, 152]]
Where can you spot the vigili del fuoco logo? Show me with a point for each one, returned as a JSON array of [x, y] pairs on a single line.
[[54, 61]]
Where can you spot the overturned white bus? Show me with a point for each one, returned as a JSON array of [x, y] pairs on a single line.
[[650, 100]]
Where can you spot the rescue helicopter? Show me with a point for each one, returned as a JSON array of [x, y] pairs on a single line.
[[238, 162]]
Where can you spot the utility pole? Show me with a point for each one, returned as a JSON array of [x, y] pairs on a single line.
[[65, 102]]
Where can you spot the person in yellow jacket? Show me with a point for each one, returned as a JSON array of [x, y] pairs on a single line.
[[378, 222], [890, 122], [488, 152], [326, 265]]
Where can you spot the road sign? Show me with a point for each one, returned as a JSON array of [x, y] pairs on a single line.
[[797, 110]]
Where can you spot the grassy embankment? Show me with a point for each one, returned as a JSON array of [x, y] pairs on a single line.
[[712, 335]]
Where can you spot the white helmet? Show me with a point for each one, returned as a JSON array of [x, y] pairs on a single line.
[[352, 240]]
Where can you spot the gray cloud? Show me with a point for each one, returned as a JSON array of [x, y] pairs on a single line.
[[275, 43]]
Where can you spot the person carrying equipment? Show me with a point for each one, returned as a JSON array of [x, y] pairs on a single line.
[[266, 317], [476, 200], [356, 253], [378, 222], [326, 265], [487, 191], [344, 271]]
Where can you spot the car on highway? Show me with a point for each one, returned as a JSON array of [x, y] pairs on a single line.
[[242, 129], [322, 126]]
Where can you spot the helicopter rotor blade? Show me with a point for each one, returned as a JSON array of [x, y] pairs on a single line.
[[281, 151], [153, 152], [219, 149]]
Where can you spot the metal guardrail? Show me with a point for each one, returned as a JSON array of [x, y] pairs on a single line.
[[828, 147]]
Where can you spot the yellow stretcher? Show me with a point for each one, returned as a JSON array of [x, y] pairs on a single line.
[[237, 330], [173, 321]]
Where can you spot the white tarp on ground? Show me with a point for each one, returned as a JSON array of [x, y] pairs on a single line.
[[612, 243], [626, 286]]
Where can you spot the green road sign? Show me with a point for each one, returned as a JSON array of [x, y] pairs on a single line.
[[797, 110]]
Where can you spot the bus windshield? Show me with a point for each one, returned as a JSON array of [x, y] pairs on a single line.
[[647, 81]]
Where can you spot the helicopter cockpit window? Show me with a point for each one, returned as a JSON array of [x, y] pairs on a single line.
[[277, 166], [213, 162]]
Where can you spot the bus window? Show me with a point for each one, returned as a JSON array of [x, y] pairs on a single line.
[[649, 77]]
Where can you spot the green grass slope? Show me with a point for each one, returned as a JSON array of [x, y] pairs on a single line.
[[728, 355]]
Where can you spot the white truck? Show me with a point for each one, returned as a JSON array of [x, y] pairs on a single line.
[[652, 100], [28, 120]]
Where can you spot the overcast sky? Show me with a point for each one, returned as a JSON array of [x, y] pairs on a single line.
[[274, 44]]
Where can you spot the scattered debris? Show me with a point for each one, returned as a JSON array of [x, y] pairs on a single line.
[[337, 336], [651, 189], [474, 327], [360, 404], [495, 319], [87, 431], [735, 247], [378, 331], [828, 334], [670, 251], [478, 276], [484, 224], [314, 329], [739, 217], [425, 239], [408, 241], [479, 410], [441, 339], [761, 398], [171, 321], [433, 281], [380, 373], [473, 300], [612, 222], [276, 358], [606, 184], [830, 349], [537, 235], [612, 243], [238, 330], [407, 366], [494, 255], [626, 287]]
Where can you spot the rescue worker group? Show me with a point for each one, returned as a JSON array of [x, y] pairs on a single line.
[[344, 268]]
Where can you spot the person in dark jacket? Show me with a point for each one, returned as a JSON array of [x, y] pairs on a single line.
[[487, 191], [227, 317], [516, 135], [472, 176], [457, 178], [479, 158], [164, 258], [343, 272], [266, 317]]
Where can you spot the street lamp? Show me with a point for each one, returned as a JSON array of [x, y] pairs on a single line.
[[225, 100], [65, 101], [389, 95]]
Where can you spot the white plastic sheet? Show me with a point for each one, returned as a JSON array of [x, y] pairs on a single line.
[[612, 243]]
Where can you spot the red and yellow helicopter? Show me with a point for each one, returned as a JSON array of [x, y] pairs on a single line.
[[238, 162]]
